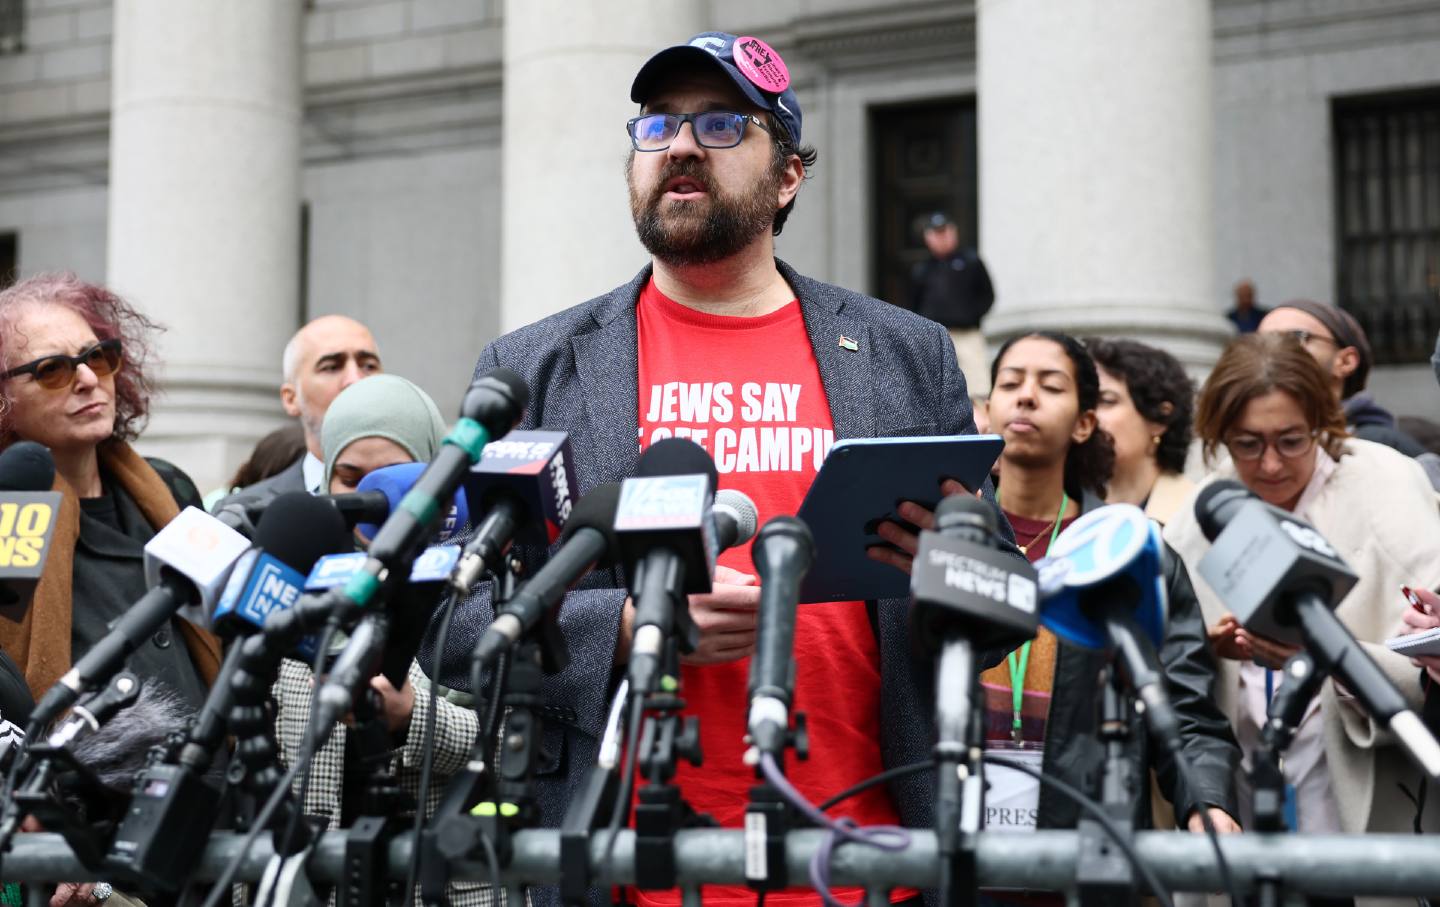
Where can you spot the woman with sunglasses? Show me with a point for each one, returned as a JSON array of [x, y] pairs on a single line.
[[73, 378], [1269, 404]]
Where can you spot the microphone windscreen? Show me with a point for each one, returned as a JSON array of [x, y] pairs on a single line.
[[596, 510], [395, 481], [1216, 504], [964, 510], [742, 511], [26, 466], [119, 749], [298, 529], [497, 400], [675, 457]]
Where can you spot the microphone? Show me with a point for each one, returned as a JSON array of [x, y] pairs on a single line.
[[413, 607], [526, 487], [295, 531], [963, 586], [27, 522], [1282, 579], [491, 407], [380, 492], [587, 542], [783, 553], [1106, 585], [186, 563], [667, 537]]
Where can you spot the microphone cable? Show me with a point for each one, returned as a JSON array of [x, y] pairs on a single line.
[[891, 838]]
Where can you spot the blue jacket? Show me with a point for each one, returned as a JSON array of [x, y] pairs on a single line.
[[582, 368]]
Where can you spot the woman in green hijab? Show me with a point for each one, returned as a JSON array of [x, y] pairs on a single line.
[[380, 421]]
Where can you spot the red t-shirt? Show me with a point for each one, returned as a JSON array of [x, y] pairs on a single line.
[[748, 390]]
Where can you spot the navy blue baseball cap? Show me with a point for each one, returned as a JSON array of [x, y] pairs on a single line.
[[754, 67]]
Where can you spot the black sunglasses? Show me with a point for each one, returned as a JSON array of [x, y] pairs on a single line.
[[55, 372]]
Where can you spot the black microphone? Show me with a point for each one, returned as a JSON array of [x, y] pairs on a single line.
[[27, 522], [294, 532], [587, 542], [783, 553], [668, 542], [963, 586], [525, 484], [1282, 579], [491, 407]]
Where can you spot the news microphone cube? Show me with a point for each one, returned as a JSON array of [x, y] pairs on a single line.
[[200, 548], [535, 467], [992, 594], [27, 523], [1263, 552], [672, 512]]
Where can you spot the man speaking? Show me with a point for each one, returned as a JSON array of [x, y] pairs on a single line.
[[719, 342]]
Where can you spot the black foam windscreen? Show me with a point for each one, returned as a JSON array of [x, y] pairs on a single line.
[[497, 400], [675, 457], [1216, 504], [298, 529], [26, 466], [596, 510], [964, 510]]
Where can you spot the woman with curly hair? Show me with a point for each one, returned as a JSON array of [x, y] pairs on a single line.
[[1145, 404], [73, 377], [1269, 403]]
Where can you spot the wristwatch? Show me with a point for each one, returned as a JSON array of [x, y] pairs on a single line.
[[102, 891]]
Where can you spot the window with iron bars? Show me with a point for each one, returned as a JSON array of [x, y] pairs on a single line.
[[1387, 166], [12, 26]]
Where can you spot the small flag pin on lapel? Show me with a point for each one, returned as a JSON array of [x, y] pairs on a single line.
[[847, 344]]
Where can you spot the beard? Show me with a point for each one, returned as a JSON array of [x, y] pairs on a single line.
[[705, 230]]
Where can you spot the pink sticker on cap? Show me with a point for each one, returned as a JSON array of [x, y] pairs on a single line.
[[761, 64]]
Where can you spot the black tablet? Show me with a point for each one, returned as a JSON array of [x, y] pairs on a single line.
[[862, 482]]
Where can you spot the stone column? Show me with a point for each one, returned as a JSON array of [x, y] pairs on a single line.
[[567, 234], [1095, 132], [204, 213]]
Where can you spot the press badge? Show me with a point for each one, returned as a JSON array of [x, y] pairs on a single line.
[[1012, 798]]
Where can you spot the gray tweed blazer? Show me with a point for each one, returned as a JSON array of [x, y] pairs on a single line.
[[581, 365]]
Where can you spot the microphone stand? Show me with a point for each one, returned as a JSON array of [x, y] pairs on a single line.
[[49, 760], [765, 867], [1103, 876], [595, 800], [1303, 679], [666, 737], [960, 786]]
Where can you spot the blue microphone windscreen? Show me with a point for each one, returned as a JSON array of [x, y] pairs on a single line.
[[394, 481]]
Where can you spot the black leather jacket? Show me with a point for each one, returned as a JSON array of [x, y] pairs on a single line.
[[1074, 753]]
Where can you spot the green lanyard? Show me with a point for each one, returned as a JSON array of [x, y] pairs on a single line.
[[1019, 666]]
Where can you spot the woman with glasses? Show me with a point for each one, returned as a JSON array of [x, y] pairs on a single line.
[[1269, 404], [73, 378]]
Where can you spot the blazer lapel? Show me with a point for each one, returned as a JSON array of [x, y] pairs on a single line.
[[607, 362], [843, 351]]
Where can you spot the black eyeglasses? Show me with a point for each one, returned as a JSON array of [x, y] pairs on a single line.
[[713, 129], [55, 372]]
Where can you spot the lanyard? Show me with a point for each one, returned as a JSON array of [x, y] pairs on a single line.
[[1019, 666]]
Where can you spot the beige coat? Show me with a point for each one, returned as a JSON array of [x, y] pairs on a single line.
[[1380, 513]]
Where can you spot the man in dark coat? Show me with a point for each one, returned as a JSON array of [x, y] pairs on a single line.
[[718, 341], [953, 287]]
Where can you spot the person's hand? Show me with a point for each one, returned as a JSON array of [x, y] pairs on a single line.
[[1264, 651], [909, 542], [74, 894], [1413, 621], [396, 705], [1222, 638], [725, 618], [1224, 823]]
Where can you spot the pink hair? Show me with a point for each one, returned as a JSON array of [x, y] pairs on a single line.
[[108, 316]]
